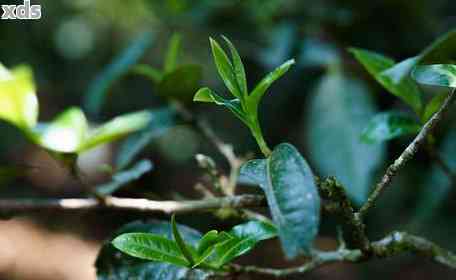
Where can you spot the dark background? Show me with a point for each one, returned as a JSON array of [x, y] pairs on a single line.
[[76, 39]]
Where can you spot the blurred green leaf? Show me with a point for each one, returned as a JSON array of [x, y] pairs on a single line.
[[225, 69], [340, 110], [439, 51], [234, 105], [149, 72], [18, 101], [172, 53], [115, 129], [376, 64], [443, 75], [433, 106], [99, 87], [181, 83], [151, 247], [292, 196], [160, 121], [389, 125], [183, 247], [124, 177], [66, 133], [110, 265]]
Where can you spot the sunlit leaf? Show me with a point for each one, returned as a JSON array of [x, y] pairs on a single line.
[[292, 196], [124, 177], [18, 101], [389, 125]]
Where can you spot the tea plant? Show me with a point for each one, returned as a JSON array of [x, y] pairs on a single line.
[[293, 194]]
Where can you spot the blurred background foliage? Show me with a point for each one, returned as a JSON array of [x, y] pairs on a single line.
[[321, 106]]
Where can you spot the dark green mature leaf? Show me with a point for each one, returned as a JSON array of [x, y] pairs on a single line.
[[181, 83], [172, 53], [150, 247], [261, 88], [339, 112], [443, 75], [114, 266], [238, 67], [376, 64], [389, 125], [292, 196], [225, 69], [439, 51], [234, 105], [183, 247], [124, 177], [99, 87], [160, 121]]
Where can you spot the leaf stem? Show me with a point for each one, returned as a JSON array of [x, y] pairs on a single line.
[[258, 135]]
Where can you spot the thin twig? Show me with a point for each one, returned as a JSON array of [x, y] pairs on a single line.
[[406, 155]]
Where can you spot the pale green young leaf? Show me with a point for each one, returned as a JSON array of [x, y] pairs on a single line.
[[238, 67], [183, 247], [225, 69], [150, 247], [18, 101]]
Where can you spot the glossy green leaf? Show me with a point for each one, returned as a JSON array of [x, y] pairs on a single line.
[[234, 105], [261, 88], [160, 121], [183, 247], [433, 106], [389, 125], [150, 247], [18, 101], [439, 51], [292, 196], [225, 69], [181, 83], [376, 64], [113, 266], [115, 129], [149, 72], [66, 133], [340, 109], [172, 53], [443, 75], [122, 178], [206, 246], [121, 65], [238, 67]]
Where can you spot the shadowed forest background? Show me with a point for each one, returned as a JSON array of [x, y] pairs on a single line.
[[77, 39]]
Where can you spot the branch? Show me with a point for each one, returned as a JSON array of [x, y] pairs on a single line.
[[394, 244], [406, 155]]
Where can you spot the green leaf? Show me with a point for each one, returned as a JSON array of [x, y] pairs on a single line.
[[124, 177], [443, 75], [225, 69], [150, 247], [149, 72], [206, 246], [238, 67], [182, 83], [256, 95], [234, 105], [113, 266], [172, 53], [389, 125], [18, 101], [439, 51], [339, 111], [376, 64], [121, 65], [433, 106], [66, 133], [183, 247], [292, 196], [115, 129], [160, 121]]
